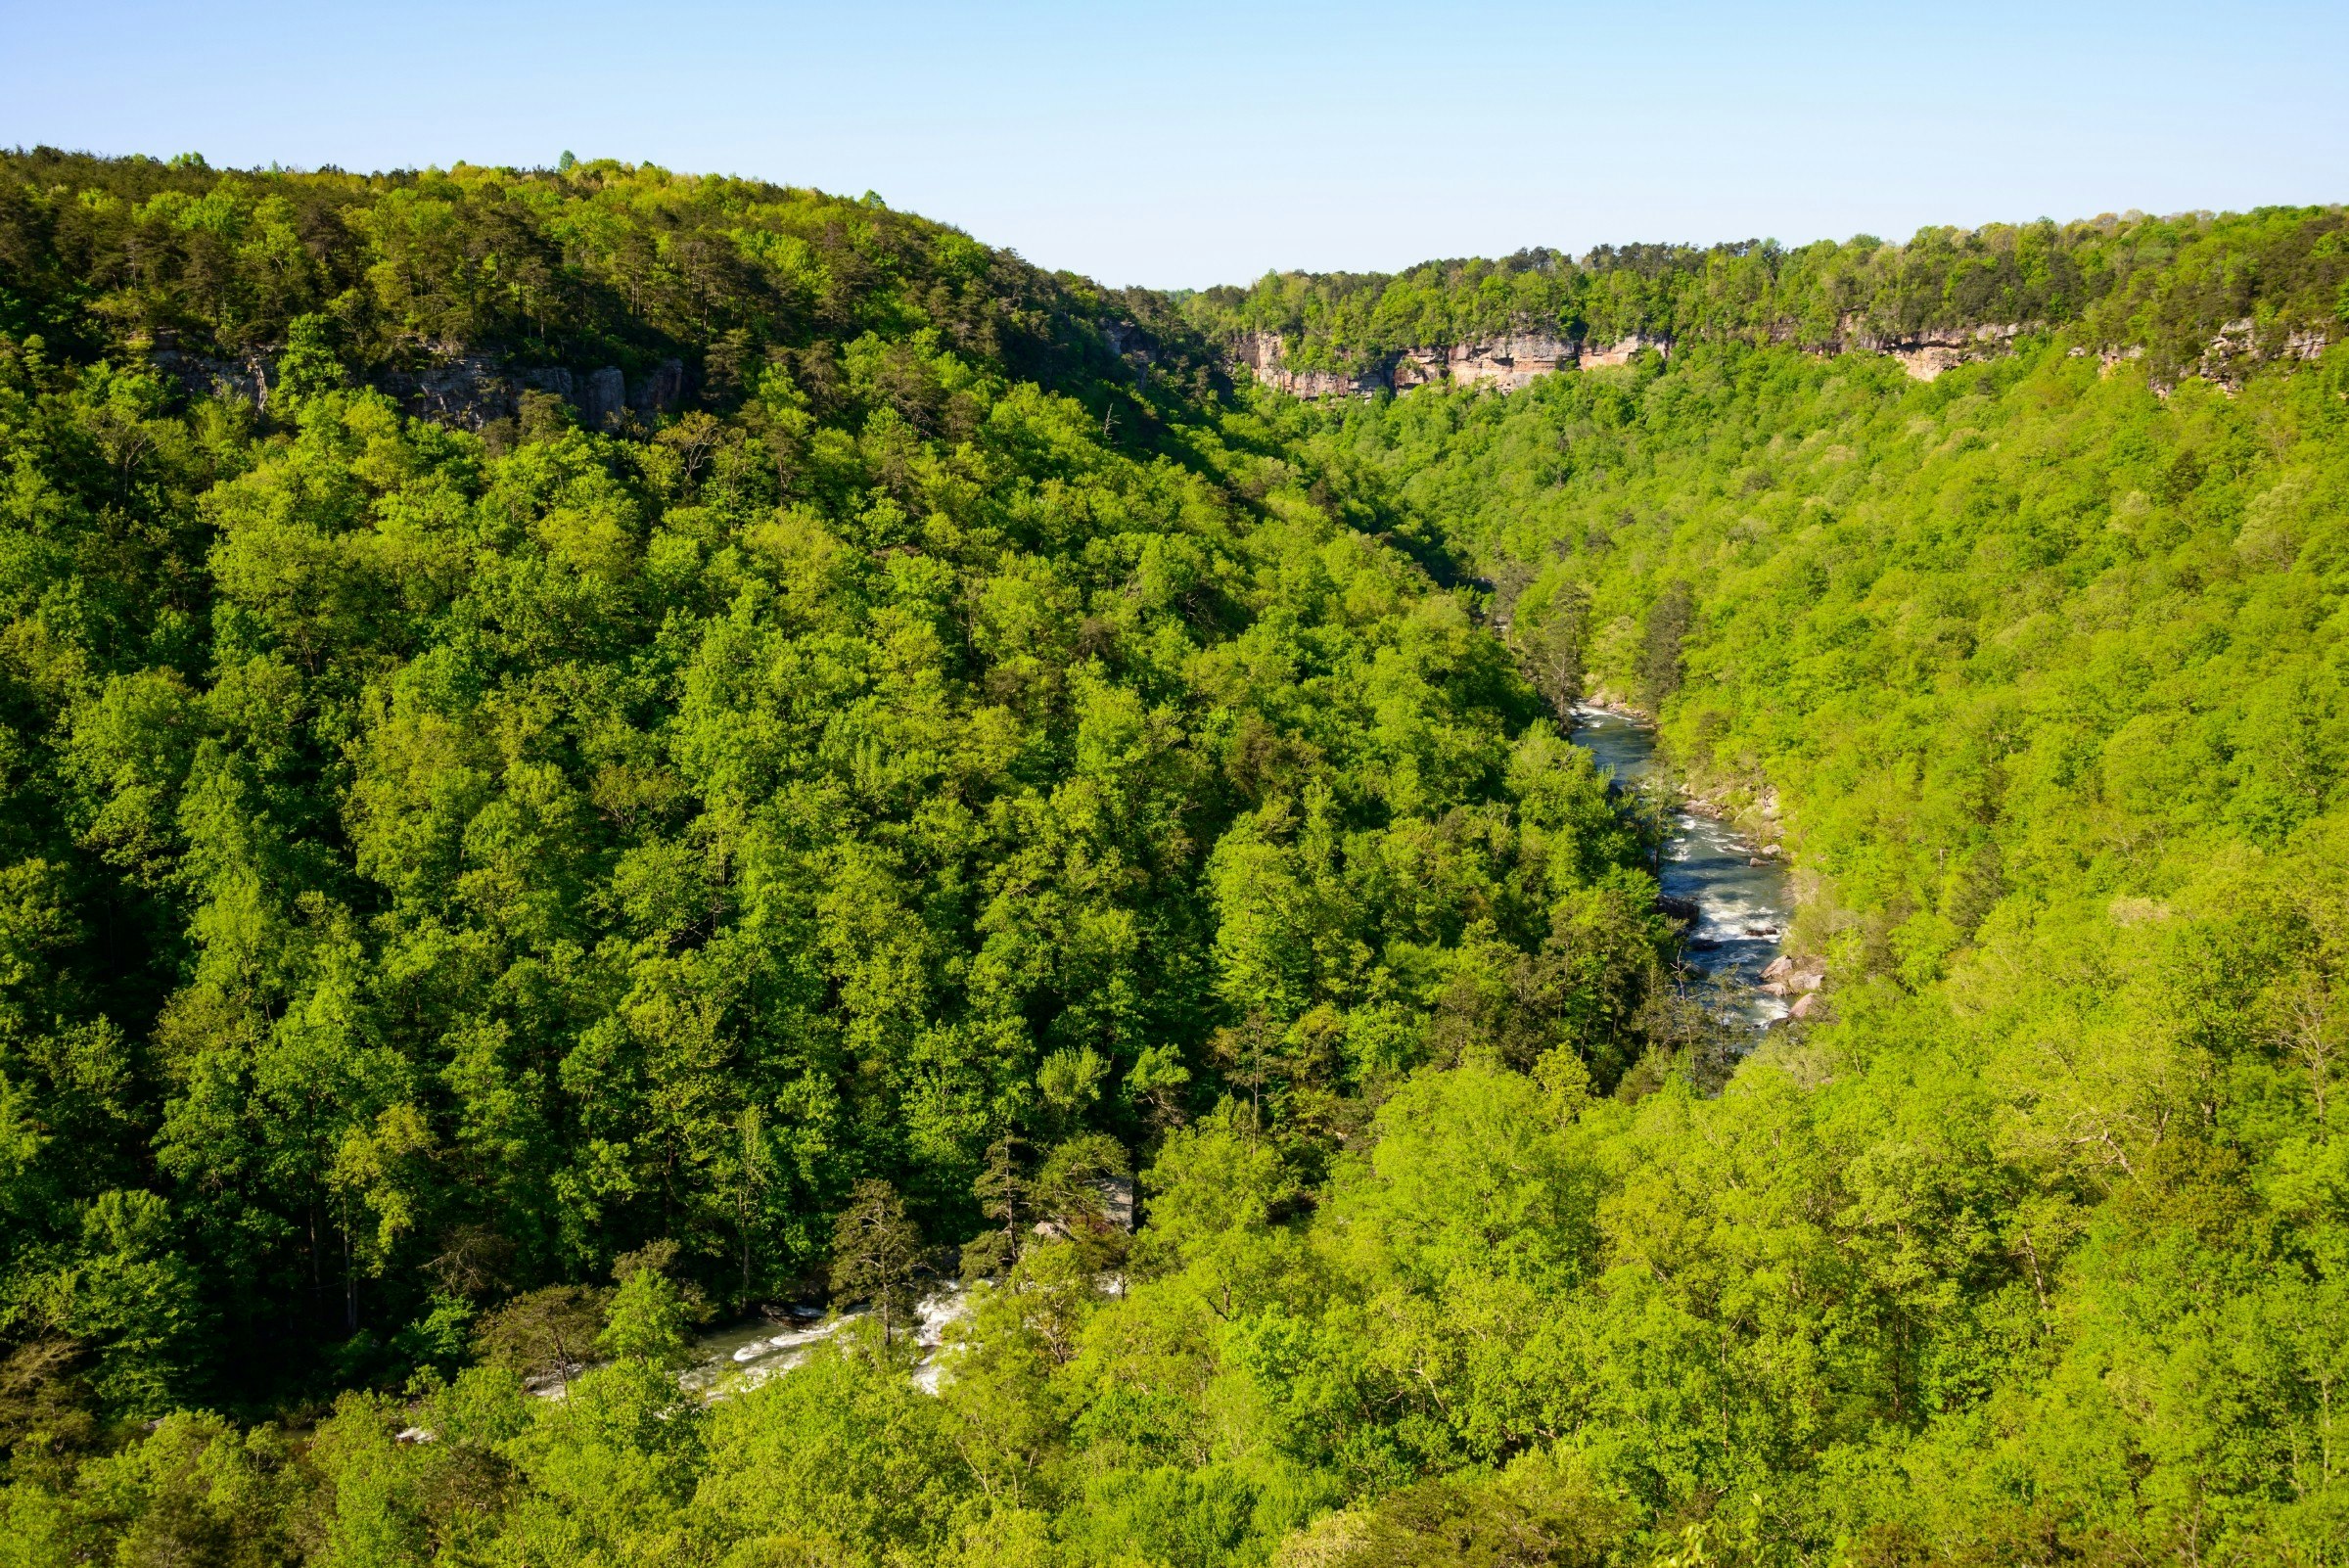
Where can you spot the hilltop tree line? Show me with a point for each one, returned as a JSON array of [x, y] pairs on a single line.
[[2165, 286]]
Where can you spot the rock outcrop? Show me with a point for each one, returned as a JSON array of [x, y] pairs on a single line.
[[1790, 977], [2240, 344], [607, 396], [246, 380], [1508, 361], [1591, 358], [1261, 355], [1514, 360], [1929, 350], [468, 391]]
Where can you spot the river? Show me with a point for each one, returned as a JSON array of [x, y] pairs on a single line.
[[1742, 896]]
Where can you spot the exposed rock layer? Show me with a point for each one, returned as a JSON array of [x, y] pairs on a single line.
[[458, 389], [1515, 360]]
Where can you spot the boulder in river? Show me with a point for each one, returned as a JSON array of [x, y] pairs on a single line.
[[1683, 911], [1779, 968]]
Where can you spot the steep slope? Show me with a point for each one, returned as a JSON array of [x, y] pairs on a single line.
[[448, 860], [458, 289], [2041, 667]]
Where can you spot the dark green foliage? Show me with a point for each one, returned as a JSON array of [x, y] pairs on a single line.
[[876, 1257], [595, 263], [1669, 622], [543, 1333]]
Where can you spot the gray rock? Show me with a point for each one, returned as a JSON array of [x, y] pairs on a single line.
[[467, 392], [246, 380], [660, 392], [607, 395], [1116, 1201]]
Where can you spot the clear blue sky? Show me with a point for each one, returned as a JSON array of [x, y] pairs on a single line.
[[1187, 144]]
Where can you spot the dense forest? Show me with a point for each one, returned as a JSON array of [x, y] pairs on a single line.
[[2268, 284], [485, 896]]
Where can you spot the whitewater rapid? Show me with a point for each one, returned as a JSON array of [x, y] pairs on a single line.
[[1743, 898]]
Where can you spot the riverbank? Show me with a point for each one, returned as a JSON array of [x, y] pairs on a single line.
[[1738, 891]]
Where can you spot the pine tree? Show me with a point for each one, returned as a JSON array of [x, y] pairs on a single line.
[[875, 1251]]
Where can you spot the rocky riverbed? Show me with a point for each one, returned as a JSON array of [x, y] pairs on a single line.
[[1735, 893]]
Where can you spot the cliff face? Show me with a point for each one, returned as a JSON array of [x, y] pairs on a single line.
[[2241, 344], [463, 390], [1925, 354], [1504, 363], [2225, 360], [1508, 361], [1515, 360], [1261, 355]]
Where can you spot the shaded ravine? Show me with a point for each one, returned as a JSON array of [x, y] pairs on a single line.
[[1743, 898]]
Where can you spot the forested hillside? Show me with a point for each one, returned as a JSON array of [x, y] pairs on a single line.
[[486, 897]]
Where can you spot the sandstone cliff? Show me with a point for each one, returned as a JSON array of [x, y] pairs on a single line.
[[1925, 353], [1508, 361], [1261, 355], [1515, 360]]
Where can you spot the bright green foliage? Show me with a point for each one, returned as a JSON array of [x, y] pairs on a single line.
[[469, 898]]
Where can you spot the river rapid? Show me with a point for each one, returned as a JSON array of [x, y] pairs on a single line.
[[1743, 898], [744, 1355]]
